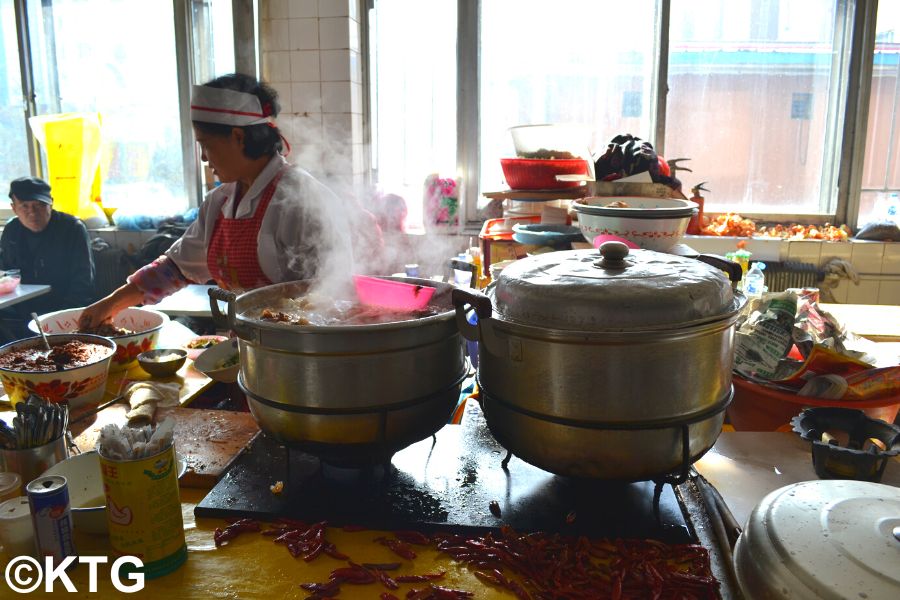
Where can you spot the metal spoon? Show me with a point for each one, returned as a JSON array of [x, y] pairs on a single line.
[[37, 322]]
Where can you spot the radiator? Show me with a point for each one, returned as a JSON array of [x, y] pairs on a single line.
[[783, 275], [112, 267]]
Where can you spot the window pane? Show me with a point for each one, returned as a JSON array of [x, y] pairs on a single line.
[[881, 170], [577, 61], [748, 104], [413, 79], [117, 57], [14, 149], [213, 39]]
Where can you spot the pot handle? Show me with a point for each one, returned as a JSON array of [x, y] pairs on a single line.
[[483, 331], [734, 270], [463, 298], [215, 296]]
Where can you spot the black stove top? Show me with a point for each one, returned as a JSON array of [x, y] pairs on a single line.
[[442, 483]]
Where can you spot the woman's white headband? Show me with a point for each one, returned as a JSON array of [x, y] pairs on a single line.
[[227, 107]]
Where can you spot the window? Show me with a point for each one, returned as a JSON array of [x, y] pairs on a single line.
[[881, 170], [540, 64], [118, 58], [754, 92], [413, 96], [14, 149], [751, 83]]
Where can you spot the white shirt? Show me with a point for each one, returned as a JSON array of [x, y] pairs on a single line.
[[302, 233]]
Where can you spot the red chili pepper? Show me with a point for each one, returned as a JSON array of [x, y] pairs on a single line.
[[293, 523], [382, 566], [413, 537], [410, 579], [333, 552], [444, 593], [312, 554], [401, 549], [386, 580], [352, 575]]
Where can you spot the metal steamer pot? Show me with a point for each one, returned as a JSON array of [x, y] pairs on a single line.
[[350, 394], [610, 367]]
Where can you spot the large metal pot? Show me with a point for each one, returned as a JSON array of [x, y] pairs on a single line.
[[612, 367], [350, 394]]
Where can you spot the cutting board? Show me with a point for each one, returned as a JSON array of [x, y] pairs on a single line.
[[209, 440]]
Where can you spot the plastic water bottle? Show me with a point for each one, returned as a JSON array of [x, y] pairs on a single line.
[[893, 208], [755, 281]]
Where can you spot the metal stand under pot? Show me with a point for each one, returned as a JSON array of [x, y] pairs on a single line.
[[612, 366]]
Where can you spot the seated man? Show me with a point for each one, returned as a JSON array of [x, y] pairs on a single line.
[[48, 247]]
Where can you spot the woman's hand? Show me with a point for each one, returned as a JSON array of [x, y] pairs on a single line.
[[96, 314], [106, 308]]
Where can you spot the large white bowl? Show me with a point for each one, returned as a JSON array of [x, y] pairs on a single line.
[[86, 497], [76, 386], [145, 322], [210, 362], [651, 223]]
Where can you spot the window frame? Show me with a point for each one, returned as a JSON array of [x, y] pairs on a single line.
[[841, 177], [246, 52]]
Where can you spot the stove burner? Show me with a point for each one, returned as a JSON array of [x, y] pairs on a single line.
[[447, 484], [352, 476]]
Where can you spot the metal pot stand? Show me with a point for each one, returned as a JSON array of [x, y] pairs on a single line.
[[443, 483]]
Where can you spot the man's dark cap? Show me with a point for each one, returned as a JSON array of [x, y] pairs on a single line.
[[30, 188]]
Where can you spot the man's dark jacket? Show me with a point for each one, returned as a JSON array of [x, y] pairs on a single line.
[[59, 256]]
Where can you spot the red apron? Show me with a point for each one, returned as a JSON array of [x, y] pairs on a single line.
[[233, 253]]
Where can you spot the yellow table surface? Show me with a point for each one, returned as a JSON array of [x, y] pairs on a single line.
[[253, 566]]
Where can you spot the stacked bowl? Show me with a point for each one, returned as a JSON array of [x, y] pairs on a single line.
[[651, 223]]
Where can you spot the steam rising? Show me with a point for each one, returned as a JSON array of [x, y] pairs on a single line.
[[342, 236]]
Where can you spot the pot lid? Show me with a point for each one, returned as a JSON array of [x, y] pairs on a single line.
[[823, 539], [616, 289]]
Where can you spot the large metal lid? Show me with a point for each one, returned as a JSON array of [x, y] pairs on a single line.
[[621, 290], [822, 539]]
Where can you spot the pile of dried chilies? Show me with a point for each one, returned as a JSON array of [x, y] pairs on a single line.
[[534, 566]]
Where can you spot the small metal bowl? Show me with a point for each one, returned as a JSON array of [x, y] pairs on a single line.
[[150, 362]]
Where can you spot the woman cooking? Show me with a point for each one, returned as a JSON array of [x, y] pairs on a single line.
[[268, 222]]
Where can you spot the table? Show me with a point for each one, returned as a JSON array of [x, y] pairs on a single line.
[[193, 383], [746, 465], [877, 322], [23, 292], [190, 301]]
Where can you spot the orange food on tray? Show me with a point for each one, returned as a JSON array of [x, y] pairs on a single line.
[[730, 224], [795, 231]]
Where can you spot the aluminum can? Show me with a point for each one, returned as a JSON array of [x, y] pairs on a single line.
[[51, 515]]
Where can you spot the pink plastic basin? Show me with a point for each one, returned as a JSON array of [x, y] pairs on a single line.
[[396, 295]]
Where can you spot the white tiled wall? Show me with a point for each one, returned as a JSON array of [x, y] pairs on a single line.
[[310, 55], [877, 263]]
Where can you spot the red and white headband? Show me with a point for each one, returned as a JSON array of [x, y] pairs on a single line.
[[227, 107]]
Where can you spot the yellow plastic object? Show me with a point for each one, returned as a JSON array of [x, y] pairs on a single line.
[[72, 142]]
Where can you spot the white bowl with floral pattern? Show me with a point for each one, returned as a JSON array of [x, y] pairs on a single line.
[[76, 386], [145, 324]]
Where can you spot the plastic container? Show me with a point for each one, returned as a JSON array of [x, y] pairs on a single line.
[[755, 281], [759, 408], [9, 280], [393, 294], [10, 486], [16, 528], [558, 137], [540, 174]]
